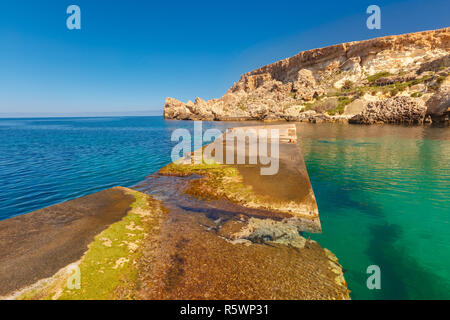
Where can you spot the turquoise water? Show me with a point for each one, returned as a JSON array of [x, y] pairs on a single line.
[[384, 199], [383, 191]]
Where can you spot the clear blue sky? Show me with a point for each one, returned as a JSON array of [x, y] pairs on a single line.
[[130, 55]]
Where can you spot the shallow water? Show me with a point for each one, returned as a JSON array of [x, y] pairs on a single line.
[[384, 199], [383, 191]]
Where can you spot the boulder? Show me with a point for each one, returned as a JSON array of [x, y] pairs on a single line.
[[305, 87], [438, 104], [355, 107], [175, 109], [400, 109]]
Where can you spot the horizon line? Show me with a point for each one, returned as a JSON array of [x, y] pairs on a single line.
[[11, 115]]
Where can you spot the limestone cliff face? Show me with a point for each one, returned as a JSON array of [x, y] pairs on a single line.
[[337, 82]]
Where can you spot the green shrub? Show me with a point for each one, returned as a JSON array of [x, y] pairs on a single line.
[[344, 100], [394, 92], [378, 75], [340, 108], [322, 106], [440, 79], [347, 85], [308, 106], [401, 86], [242, 106]]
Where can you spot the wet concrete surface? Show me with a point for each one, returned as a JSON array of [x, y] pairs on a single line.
[[198, 253], [36, 245], [198, 258], [290, 183], [288, 189]]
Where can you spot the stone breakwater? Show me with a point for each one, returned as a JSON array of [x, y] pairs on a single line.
[[189, 231], [336, 83]]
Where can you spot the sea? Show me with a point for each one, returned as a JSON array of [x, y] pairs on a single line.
[[383, 191]]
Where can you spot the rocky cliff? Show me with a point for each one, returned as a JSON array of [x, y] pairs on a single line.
[[341, 82]]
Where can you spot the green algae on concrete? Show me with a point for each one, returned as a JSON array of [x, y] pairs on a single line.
[[198, 259], [108, 269], [287, 193], [222, 182], [217, 182], [37, 245]]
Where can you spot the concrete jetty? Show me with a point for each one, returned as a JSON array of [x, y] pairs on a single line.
[[204, 230]]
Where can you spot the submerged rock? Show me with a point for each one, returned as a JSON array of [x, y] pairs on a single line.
[[267, 230]]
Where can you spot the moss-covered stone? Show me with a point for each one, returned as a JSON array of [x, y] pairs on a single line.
[[221, 181], [108, 269]]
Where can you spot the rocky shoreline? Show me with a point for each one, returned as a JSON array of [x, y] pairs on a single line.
[[394, 79]]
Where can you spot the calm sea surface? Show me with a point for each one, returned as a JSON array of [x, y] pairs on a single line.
[[383, 191]]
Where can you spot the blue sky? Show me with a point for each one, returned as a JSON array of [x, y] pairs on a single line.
[[130, 55]]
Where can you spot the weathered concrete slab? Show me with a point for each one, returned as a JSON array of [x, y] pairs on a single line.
[[289, 190], [278, 182], [36, 245], [219, 242]]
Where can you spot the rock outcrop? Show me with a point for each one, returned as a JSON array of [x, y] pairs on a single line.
[[336, 83], [438, 106], [393, 110]]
